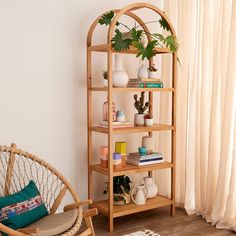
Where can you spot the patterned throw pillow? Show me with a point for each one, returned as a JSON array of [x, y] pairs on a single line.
[[22, 208]]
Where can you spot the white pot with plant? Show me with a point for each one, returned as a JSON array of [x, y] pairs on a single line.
[[105, 78], [141, 106], [152, 72]]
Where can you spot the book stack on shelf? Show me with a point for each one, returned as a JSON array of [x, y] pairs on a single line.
[[145, 83], [116, 124], [140, 160]]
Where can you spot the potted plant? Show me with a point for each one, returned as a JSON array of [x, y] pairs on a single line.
[[105, 78], [134, 37], [152, 72], [141, 107], [148, 120], [121, 190]]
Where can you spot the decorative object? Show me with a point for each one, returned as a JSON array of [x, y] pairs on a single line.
[[148, 120], [139, 194], [117, 161], [120, 147], [142, 150], [120, 116], [105, 78], [149, 182], [143, 233], [17, 168], [152, 72], [134, 37], [104, 156], [141, 107], [143, 71], [105, 111], [147, 141], [119, 76]]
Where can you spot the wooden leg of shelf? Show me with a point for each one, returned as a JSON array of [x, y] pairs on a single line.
[[110, 224], [172, 209]]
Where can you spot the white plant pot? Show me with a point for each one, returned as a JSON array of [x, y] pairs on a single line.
[[119, 76], [105, 82], [152, 74], [149, 122], [139, 119]]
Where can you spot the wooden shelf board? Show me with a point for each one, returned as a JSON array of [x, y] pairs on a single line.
[[129, 168], [131, 208], [104, 89], [132, 50], [134, 129]]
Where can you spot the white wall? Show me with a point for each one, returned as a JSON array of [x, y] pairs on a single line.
[[43, 79]]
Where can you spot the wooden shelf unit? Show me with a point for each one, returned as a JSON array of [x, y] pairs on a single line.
[[106, 207]]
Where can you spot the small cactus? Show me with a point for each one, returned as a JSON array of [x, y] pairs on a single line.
[[139, 104]]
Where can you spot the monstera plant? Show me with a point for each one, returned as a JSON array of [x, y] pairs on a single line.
[[133, 37]]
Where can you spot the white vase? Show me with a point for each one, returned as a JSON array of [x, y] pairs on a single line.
[[119, 76], [139, 119], [151, 187], [143, 71]]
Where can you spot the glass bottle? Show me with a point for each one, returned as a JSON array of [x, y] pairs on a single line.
[[105, 111]]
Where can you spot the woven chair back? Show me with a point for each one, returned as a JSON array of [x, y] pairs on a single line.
[[18, 168]]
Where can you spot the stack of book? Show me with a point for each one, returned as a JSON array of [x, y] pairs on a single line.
[[145, 83], [116, 124], [140, 160]]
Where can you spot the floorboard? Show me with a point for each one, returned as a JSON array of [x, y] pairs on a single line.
[[161, 222]]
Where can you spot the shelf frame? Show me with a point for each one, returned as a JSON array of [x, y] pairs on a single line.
[[106, 207]]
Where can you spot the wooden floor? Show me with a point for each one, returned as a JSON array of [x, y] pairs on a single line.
[[161, 222]]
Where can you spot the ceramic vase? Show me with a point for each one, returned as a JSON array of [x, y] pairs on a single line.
[[143, 71], [151, 187], [119, 76]]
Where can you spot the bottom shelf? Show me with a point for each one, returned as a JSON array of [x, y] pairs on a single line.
[[158, 201]]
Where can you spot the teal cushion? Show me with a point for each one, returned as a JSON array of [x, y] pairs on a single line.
[[22, 208]]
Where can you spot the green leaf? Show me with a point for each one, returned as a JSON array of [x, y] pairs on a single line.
[[106, 18], [170, 42], [145, 52], [164, 24], [136, 34], [119, 43]]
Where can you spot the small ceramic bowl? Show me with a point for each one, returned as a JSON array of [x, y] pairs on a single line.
[[149, 122], [142, 150]]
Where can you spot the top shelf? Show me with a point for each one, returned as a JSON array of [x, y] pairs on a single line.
[[132, 50]]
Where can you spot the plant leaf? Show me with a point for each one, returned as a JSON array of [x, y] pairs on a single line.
[[170, 42], [164, 24], [145, 52], [119, 43], [136, 34], [106, 18]]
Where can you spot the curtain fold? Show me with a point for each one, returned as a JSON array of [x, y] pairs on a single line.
[[206, 108]]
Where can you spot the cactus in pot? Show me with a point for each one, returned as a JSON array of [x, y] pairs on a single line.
[[141, 107]]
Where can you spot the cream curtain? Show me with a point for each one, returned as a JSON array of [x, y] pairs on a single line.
[[206, 108]]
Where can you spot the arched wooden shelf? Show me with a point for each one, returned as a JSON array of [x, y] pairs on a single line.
[[106, 207]]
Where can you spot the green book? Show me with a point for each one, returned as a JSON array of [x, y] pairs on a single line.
[[151, 85]]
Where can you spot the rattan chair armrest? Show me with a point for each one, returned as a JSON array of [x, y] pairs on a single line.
[[91, 212], [10, 232], [28, 230], [77, 204]]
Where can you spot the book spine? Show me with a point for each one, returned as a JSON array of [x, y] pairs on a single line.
[[151, 85]]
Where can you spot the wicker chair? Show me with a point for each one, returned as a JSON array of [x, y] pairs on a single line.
[[17, 168]]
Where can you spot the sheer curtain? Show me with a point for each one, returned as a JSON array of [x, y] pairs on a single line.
[[206, 107]]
